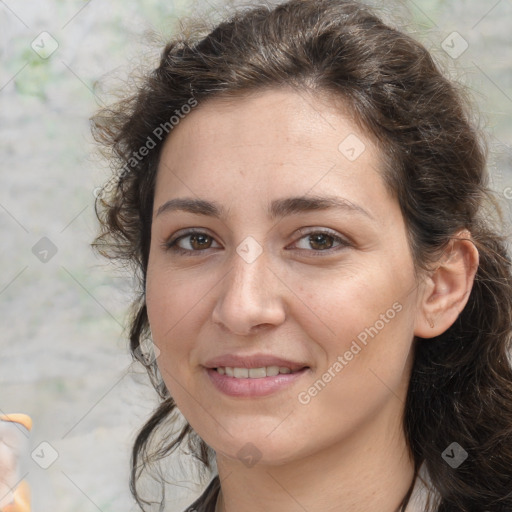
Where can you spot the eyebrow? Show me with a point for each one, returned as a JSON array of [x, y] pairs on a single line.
[[278, 208]]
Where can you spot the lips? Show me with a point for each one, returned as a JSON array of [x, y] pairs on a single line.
[[250, 388], [228, 374], [253, 373], [253, 361]]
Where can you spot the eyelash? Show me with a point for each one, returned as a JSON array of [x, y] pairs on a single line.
[[171, 245]]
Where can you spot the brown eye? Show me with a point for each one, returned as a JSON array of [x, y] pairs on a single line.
[[200, 241], [189, 243], [321, 241]]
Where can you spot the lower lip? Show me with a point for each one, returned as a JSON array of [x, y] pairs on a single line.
[[232, 386]]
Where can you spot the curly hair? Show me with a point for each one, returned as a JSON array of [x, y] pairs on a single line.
[[461, 382]]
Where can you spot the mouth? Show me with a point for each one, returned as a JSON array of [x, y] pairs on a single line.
[[256, 373], [256, 382]]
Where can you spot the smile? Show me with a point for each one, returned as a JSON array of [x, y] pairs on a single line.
[[253, 373], [253, 382]]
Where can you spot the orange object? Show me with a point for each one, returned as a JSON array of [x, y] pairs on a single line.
[[13, 498], [22, 419], [21, 501]]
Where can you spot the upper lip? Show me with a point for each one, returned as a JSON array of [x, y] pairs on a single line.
[[254, 361]]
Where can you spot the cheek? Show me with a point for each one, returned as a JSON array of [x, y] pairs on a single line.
[[366, 363], [176, 307], [369, 321], [171, 298], [351, 300]]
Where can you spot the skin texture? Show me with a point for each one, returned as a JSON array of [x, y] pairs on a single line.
[[344, 450]]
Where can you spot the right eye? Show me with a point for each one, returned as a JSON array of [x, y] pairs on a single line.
[[190, 242]]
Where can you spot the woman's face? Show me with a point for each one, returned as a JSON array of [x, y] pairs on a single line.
[[277, 269]]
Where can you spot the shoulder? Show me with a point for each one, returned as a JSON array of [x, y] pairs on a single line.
[[207, 501]]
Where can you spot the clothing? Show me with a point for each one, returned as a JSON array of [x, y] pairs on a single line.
[[422, 490], [207, 501]]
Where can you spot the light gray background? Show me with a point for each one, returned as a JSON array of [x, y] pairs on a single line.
[[63, 352]]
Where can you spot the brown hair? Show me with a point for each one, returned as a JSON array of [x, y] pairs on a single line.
[[461, 383]]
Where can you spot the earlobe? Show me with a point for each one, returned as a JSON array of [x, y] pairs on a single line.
[[447, 288]]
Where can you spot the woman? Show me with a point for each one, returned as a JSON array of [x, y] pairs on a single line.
[[304, 198]]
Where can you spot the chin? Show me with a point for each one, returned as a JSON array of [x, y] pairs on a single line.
[[258, 449]]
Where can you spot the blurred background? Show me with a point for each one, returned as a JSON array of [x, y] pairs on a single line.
[[64, 356]]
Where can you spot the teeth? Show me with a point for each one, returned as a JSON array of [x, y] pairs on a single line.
[[272, 371], [256, 373], [253, 373], [241, 373]]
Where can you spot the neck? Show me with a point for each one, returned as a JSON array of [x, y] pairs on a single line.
[[371, 470]]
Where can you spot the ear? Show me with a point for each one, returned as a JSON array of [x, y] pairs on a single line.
[[446, 289]]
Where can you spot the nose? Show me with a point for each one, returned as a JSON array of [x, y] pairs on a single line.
[[249, 297]]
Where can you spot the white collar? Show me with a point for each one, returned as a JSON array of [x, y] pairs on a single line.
[[422, 490]]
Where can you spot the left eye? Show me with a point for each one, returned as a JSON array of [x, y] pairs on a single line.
[[321, 241]]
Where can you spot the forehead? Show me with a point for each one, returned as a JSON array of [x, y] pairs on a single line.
[[267, 117], [272, 141]]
